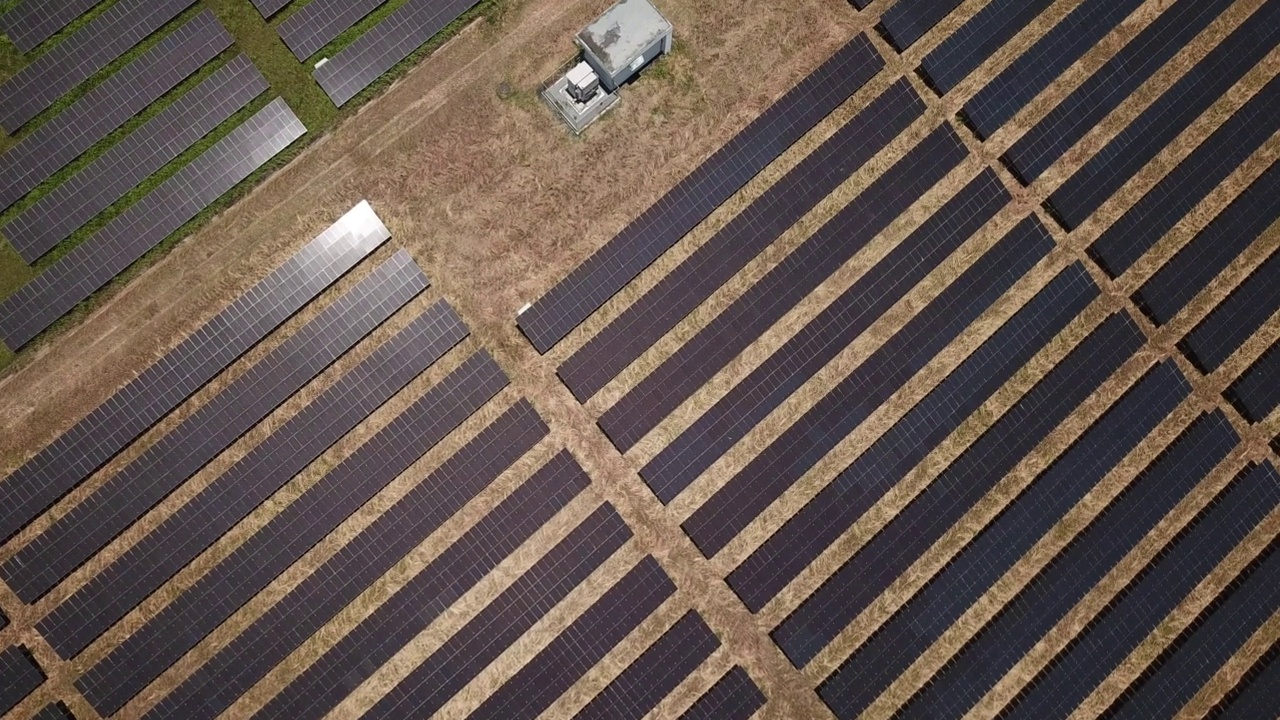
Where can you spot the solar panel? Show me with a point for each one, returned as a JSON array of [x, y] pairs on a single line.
[[1018, 84], [54, 292], [486, 636], [743, 238], [658, 670], [317, 23], [19, 676], [270, 7], [611, 267], [37, 86], [904, 22], [581, 645], [134, 408], [1236, 319], [122, 500], [733, 697], [1127, 620], [1142, 225], [1165, 118], [357, 65], [342, 578], [927, 615], [1256, 694], [153, 647], [122, 585], [935, 326], [33, 22], [49, 147], [55, 711], [108, 178], [961, 52], [1047, 597], [859, 486], [1210, 252], [786, 284], [1103, 91], [1256, 393], [1204, 647], [339, 671], [931, 513]]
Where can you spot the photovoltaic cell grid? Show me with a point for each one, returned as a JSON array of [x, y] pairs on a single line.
[[610, 268], [183, 451], [385, 44], [317, 23], [74, 60], [1230, 324], [375, 550], [55, 711], [1256, 694], [219, 593], [133, 409], [127, 237], [64, 137], [733, 697], [904, 22], [1256, 393], [977, 39], [118, 588], [146, 150], [32, 21], [19, 676], [270, 7]]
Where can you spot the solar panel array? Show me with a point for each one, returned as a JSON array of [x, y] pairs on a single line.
[[33, 22], [20, 675], [269, 7], [73, 278], [317, 23], [55, 711]]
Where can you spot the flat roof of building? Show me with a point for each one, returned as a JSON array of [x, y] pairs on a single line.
[[623, 32]]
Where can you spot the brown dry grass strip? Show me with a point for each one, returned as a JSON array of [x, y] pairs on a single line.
[[693, 687]]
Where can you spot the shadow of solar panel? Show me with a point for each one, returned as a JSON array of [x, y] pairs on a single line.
[[317, 23], [1256, 393], [1018, 84], [1202, 259], [904, 22], [1164, 119], [733, 697], [55, 711], [342, 578], [731, 167], [644, 683], [927, 615], [270, 7], [1131, 616], [978, 39], [37, 86], [934, 326], [119, 587], [848, 316], [1103, 91], [1222, 628], [54, 292], [743, 238], [65, 136], [19, 676], [32, 22], [859, 486], [1087, 558], [581, 645], [175, 630], [1255, 695], [108, 178], [662, 391], [915, 528], [356, 66], [114, 506], [1135, 232], [1236, 319], [507, 617], [94, 440]]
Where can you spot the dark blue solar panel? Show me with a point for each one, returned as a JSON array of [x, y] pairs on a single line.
[[20, 675], [55, 711], [32, 22], [733, 697], [904, 22], [978, 39], [743, 238], [786, 284], [317, 23], [1230, 324], [927, 615], [270, 7], [1256, 393], [1024, 619], [1256, 694], [611, 267], [859, 486]]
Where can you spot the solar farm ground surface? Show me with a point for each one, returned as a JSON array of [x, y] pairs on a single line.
[[485, 190]]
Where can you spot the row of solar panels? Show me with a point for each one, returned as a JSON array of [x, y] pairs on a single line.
[[805, 629], [598, 540], [357, 65]]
